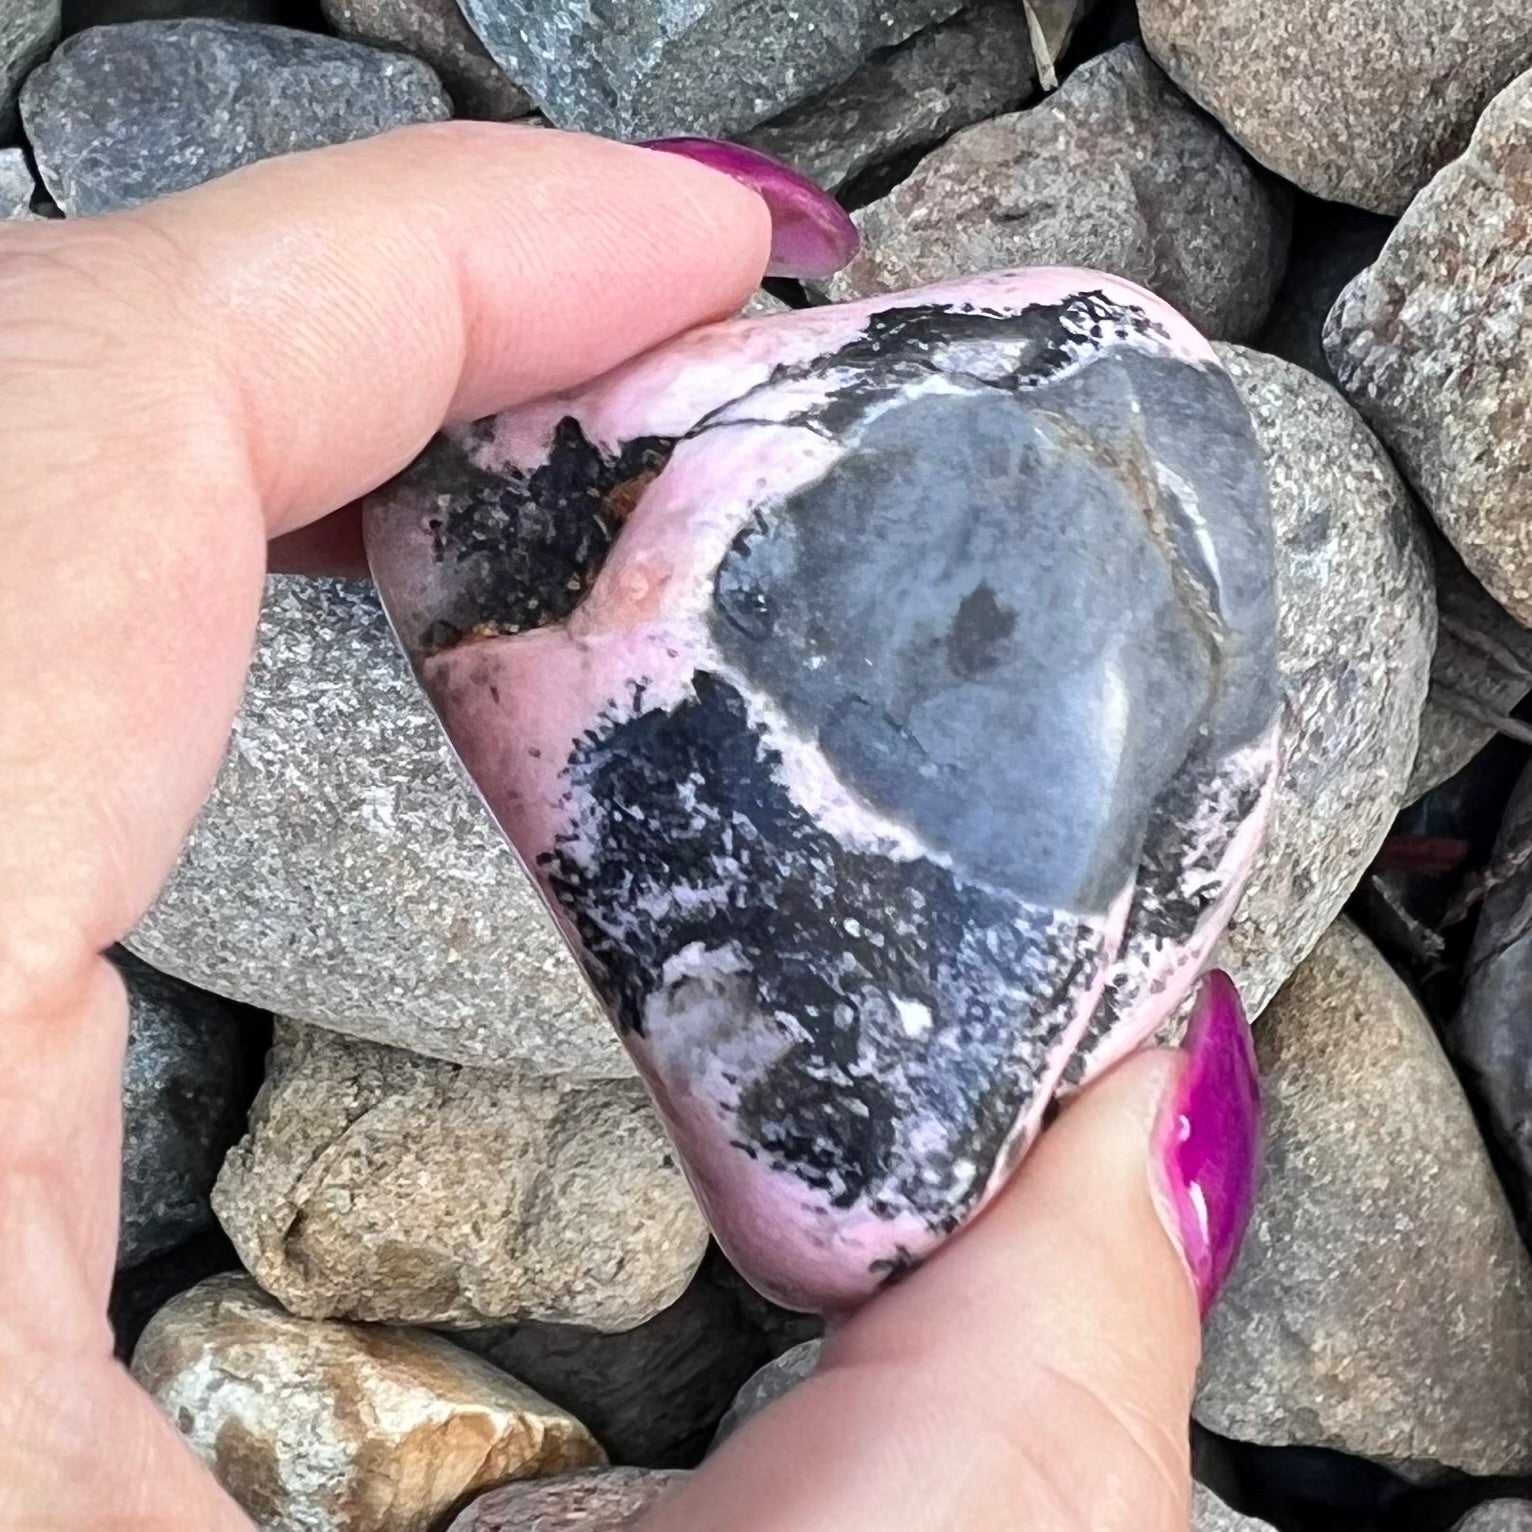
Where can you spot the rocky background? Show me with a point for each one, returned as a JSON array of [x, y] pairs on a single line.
[[404, 1248]]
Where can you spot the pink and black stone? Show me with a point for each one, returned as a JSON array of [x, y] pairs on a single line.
[[884, 699]]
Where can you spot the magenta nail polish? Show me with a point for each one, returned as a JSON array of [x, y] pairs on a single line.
[[1210, 1146], [812, 235]]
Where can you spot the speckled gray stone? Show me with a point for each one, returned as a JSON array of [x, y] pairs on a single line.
[[778, 1377], [17, 188], [343, 871], [1331, 244], [686, 66], [1382, 1303], [946, 77], [436, 31], [1482, 668], [1052, 24], [1357, 625], [1358, 102], [1210, 1514], [1115, 171], [1431, 344], [378, 1185], [28, 29], [184, 1086], [652, 1395], [1499, 1516], [600, 1500], [121, 114]]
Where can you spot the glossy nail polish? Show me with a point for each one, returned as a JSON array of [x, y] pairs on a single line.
[[1209, 1148]]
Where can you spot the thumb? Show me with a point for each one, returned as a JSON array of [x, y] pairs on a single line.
[[1039, 1370]]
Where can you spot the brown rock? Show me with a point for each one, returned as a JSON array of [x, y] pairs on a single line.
[[1383, 1301], [375, 1184], [1431, 342], [1117, 171], [1360, 101], [321, 1427], [605, 1500]]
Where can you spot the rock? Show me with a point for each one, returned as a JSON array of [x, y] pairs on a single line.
[[1210, 1514], [653, 1395], [342, 870], [28, 29], [1116, 171], [1357, 628], [1481, 670], [602, 1500], [778, 1377], [184, 1089], [82, 14], [314, 1426], [1331, 244], [1499, 1516], [1051, 24], [761, 303], [141, 1291], [685, 66], [1383, 1302], [378, 1185], [1316, 92], [436, 32], [17, 188], [122, 114], [962, 71], [1430, 343], [1488, 1037]]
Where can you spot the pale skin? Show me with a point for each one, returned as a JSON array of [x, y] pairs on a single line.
[[183, 384]]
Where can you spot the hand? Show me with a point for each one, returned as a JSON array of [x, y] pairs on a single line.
[[182, 383]]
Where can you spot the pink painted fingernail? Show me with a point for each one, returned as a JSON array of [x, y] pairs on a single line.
[[812, 235], [1209, 1139]]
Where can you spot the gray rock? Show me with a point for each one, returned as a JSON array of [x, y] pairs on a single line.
[[599, 1500], [1430, 343], [686, 66], [28, 29], [436, 32], [122, 114], [761, 304], [17, 188], [315, 1426], [343, 871], [960, 72], [778, 1377], [1117, 171], [1499, 1516], [184, 1088], [1331, 244], [653, 1395], [1383, 1301], [1489, 1037], [1051, 24], [1357, 625], [378, 1185], [1210, 1514], [1361, 102], [1481, 670]]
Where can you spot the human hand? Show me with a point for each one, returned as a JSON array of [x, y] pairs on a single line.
[[177, 386]]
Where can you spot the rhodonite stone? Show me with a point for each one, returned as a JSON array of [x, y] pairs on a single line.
[[883, 697]]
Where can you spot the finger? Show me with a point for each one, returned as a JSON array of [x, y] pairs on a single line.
[[1038, 1372]]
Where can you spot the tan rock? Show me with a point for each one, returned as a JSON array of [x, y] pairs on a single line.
[[379, 1185], [1383, 1301], [603, 1501], [322, 1427]]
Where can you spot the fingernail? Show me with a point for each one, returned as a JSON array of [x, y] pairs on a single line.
[[812, 235], [1209, 1139]]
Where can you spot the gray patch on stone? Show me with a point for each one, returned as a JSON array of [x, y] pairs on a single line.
[[1116, 171], [1359, 103], [959, 72], [122, 114], [28, 29], [686, 66], [184, 1087], [343, 871], [1210, 1514], [17, 188]]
